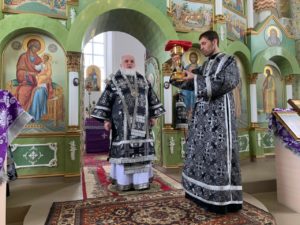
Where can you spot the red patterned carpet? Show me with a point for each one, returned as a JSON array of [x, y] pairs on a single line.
[[160, 208], [95, 182], [94, 159]]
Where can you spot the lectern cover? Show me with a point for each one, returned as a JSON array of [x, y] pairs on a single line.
[[286, 124]]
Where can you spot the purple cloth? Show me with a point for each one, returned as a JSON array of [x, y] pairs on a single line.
[[12, 119], [280, 131], [97, 138], [92, 123]]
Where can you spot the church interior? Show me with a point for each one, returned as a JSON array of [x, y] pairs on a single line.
[[61, 156]]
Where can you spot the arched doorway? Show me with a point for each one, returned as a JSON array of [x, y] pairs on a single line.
[[152, 30]]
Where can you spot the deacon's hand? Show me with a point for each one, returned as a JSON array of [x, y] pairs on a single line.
[[152, 121], [107, 125], [189, 75]]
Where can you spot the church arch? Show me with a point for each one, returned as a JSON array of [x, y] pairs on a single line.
[[23, 23], [241, 92], [286, 62], [242, 51], [151, 27]]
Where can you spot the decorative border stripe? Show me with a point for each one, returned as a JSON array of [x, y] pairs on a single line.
[[156, 106], [102, 107], [212, 187], [213, 202], [132, 142]]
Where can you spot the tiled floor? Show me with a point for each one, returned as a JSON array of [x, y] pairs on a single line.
[[39, 193], [259, 179], [283, 215], [32, 198]]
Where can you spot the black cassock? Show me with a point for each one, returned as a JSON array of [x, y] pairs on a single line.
[[211, 173], [181, 120]]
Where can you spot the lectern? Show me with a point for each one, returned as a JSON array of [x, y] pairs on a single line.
[[286, 126]]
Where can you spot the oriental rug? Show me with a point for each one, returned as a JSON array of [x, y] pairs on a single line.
[[95, 182], [160, 208], [94, 159]]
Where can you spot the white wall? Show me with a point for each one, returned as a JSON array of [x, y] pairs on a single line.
[[123, 43], [118, 44]]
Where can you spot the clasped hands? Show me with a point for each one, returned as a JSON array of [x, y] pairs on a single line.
[[189, 75], [107, 124]]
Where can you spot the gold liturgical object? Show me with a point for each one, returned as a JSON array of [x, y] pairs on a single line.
[[177, 48]]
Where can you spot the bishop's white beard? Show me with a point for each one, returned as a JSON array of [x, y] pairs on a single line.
[[131, 72]]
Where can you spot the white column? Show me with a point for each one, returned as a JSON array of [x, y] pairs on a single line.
[[253, 103], [250, 14], [289, 94], [219, 7], [168, 102], [168, 4], [73, 99]]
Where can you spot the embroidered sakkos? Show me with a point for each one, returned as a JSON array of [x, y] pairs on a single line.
[[129, 101]]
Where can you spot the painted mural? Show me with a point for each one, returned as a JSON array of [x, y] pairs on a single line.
[[52, 8], [191, 16], [269, 92], [273, 36], [73, 2], [191, 59], [152, 73], [287, 23], [296, 87], [187, 57], [236, 25], [34, 72], [93, 78], [240, 98], [153, 76], [236, 5]]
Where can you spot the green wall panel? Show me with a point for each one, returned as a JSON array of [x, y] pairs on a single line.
[[40, 155], [172, 159], [72, 155], [35, 151]]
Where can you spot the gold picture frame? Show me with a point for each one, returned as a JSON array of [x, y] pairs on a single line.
[[295, 103]]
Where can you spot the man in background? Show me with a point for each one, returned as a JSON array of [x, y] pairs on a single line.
[[129, 108]]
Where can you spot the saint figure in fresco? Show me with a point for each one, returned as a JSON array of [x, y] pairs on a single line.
[[28, 66], [269, 92], [93, 78], [239, 5], [189, 96], [273, 39], [43, 91], [237, 96]]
